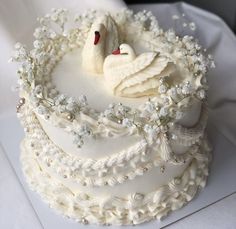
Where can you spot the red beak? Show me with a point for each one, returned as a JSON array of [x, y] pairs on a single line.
[[116, 52], [96, 37]]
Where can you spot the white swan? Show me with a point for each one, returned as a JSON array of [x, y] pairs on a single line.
[[102, 39], [129, 75]]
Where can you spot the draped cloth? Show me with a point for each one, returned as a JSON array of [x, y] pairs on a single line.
[[17, 21]]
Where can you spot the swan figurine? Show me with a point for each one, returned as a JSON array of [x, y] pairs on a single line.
[[102, 40], [131, 75]]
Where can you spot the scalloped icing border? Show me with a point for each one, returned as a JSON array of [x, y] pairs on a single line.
[[135, 209], [36, 134]]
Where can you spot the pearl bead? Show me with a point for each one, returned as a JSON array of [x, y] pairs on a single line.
[[26, 129], [84, 221], [22, 101], [162, 169], [145, 169], [70, 117]]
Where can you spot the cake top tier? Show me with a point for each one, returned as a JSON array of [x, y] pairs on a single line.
[[162, 73]]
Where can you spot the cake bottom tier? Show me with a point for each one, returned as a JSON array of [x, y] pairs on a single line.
[[135, 209]]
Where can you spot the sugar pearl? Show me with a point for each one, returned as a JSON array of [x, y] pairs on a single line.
[[162, 169], [84, 221], [22, 101], [70, 117], [145, 169]]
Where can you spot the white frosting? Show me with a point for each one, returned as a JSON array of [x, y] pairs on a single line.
[[105, 196], [140, 159], [134, 209]]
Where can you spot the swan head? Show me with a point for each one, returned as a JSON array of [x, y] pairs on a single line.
[[125, 49], [98, 32]]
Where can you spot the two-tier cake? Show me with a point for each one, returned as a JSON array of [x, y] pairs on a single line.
[[114, 112]]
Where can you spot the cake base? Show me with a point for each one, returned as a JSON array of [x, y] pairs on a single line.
[[117, 211]]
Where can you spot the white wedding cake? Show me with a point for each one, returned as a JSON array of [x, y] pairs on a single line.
[[114, 112]]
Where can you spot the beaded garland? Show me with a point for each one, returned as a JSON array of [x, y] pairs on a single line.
[[136, 208], [136, 160]]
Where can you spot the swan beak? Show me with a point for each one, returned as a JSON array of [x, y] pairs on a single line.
[[96, 37], [116, 52]]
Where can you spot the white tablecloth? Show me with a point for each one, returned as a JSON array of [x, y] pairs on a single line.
[[17, 20]]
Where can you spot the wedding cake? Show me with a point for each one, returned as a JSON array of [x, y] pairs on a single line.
[[114, 112]]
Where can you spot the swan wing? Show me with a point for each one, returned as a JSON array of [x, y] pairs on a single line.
[[116, 70], [148, 87], [146, 81]]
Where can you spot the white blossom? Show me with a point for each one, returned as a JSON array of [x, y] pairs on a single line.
[[151, 131], [38, 90], [201, 94], [38, 44], [162, 89], [192, 26], [84, 130], [187, 89], [83, 100], [164, 111], [127, 122]]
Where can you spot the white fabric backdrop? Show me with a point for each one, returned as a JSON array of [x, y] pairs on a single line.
[[17, 20]]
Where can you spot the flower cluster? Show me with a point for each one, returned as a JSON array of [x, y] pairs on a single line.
[[54, 39], [116, 112], [80, 133]]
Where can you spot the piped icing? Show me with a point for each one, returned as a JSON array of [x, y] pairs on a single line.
[[169, 74]]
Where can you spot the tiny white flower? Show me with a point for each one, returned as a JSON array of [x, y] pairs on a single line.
[[38, 44], [173, 92], [149, 107], [187, 89], [38, 90], [201, 94], [164, 111], [192, 26], [127, 122], [162, 89], [108, 112], [175, 17], [83, 100]]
